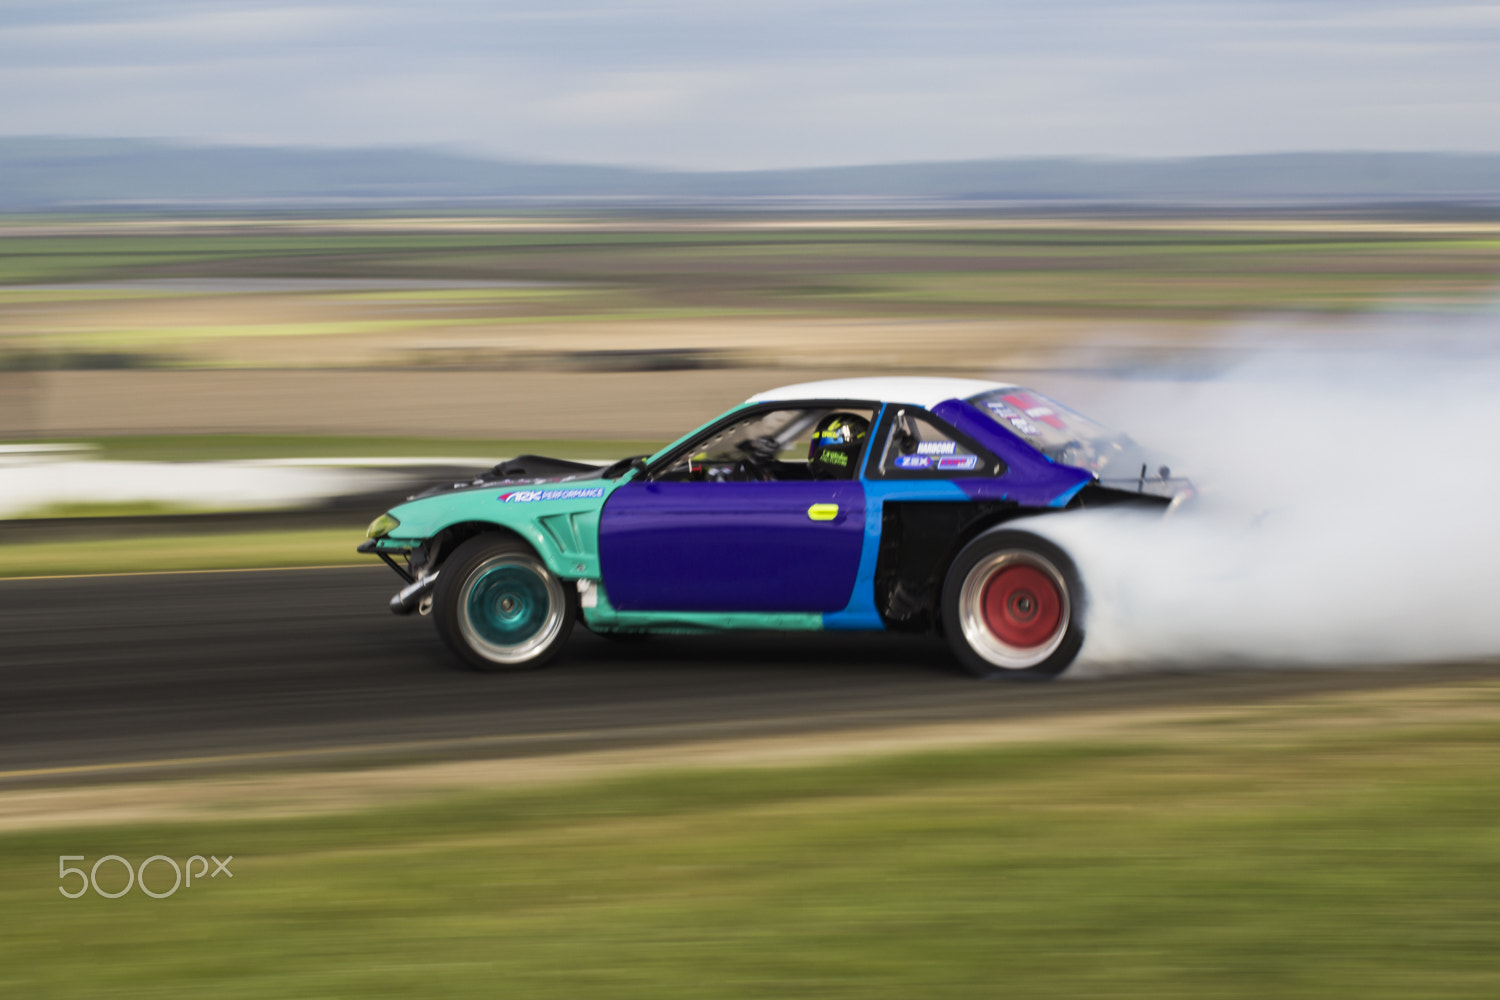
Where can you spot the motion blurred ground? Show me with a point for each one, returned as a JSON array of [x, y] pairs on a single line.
[[639, 327], [1327, 847]]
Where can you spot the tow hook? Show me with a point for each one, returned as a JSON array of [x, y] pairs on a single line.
[[409, 597]]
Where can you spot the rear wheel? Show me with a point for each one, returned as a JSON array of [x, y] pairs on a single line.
[[499, 607], [1013, 607]]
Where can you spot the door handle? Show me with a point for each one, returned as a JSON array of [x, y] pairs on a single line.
[[823, 511]]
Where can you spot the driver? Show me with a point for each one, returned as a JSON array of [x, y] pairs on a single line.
[[836, 445]]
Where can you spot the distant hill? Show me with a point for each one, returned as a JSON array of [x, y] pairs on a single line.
[[54, 174]]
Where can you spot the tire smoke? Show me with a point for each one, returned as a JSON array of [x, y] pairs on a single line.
[[1349, 509]]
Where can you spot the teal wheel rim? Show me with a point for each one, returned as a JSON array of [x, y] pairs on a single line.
[[511, 607]]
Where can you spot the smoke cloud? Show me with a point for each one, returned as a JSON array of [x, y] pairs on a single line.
[[1349, 508]]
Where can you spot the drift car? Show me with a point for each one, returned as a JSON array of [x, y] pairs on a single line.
[[856, 504]]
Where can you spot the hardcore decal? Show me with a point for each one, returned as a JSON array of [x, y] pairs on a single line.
[[935, 448], [529, 496]]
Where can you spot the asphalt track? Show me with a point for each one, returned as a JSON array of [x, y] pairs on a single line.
[[129, 676]]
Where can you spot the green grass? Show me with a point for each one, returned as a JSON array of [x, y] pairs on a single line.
[[243, 550], [123, 508], [1352, 861], [936, 271], [226, 447]]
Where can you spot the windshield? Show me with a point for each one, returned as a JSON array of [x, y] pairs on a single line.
[[1061, 434]]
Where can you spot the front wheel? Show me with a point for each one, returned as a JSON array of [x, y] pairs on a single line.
[[1013, 607], [499, 607]]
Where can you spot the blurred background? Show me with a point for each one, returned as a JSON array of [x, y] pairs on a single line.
[[266, 267], [258, 231]]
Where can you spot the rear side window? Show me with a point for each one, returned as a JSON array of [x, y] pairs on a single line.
[[918, 446]]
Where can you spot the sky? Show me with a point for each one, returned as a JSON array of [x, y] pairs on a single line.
[[698, 84]]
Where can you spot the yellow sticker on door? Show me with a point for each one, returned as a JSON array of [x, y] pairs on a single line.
[[823, 511]]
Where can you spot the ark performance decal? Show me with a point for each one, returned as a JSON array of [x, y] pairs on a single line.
[[530, 496]]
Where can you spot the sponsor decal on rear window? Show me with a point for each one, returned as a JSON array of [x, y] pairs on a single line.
[[1017, 420], [1036, 409], [958, 462], [913, 462], [531, 496]]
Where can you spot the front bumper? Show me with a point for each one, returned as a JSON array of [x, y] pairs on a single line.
[[418, 587]]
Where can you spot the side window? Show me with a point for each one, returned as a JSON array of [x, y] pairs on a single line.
[[766, 446], [916, 447]]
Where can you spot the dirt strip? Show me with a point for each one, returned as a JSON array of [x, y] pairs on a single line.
[[645, 405], [306, 793]]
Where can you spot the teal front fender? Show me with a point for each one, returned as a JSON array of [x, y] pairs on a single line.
[[560, 520]]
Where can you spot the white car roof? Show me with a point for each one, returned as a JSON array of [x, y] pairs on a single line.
[[915, 390]]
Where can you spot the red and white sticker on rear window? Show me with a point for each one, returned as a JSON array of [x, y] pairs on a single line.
[[1036, 409], [1022, 411]]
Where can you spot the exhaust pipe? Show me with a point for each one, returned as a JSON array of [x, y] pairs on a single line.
[[408, 598]]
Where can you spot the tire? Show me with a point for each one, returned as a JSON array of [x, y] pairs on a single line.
[[498, 606], [1013, 607]]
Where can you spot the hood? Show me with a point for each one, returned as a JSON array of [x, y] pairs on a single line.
[[523, 470]]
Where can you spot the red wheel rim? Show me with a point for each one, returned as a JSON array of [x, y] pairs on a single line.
[[1021, 606]]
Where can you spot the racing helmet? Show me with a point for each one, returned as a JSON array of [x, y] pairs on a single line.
[[836, 445]]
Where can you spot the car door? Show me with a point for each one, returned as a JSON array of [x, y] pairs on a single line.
[[691, 535]]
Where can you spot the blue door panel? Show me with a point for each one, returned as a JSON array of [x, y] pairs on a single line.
[[730, 546]]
